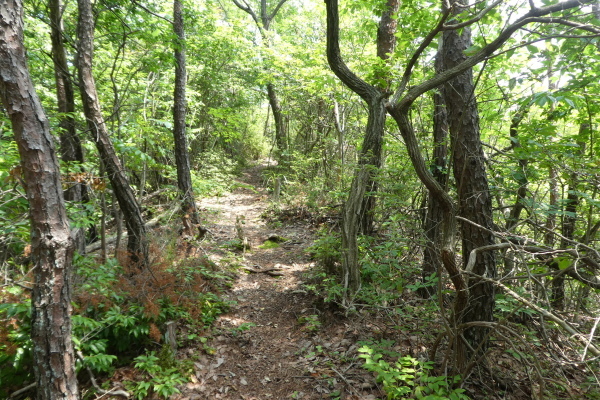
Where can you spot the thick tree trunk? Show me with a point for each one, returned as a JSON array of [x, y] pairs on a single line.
[[474, 199], [70, 145], [137, 242], [371, 151], [355, 212], [191, 220], [52, 245], [448, 223]]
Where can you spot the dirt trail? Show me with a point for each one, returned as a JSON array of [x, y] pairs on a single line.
[[275, 343]]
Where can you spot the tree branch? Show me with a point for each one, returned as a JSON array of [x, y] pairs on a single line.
[[485, 52], [426, 42], [565, 22], [337, 64], [143, 7], [559, 321], [276, 9], [474, 19]]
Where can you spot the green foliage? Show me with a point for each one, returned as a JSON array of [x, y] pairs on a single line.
[[162, 375], [115, 318], [215, 177], [14, 222], [311, 323], [409, 378], [15, 341], [269, 244]]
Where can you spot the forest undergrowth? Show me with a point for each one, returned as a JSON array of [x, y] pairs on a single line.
[[253, 311]]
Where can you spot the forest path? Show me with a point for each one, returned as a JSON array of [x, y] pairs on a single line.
[[274, 343]]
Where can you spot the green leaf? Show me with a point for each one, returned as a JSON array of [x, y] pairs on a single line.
[[472, 50]]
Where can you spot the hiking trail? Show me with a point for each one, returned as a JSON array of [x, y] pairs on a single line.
[[278, 341]]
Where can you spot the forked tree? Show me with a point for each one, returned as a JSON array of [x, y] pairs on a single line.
[[357, 213], [474, 301]]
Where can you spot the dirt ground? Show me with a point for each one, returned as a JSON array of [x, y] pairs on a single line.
[[278, 341]]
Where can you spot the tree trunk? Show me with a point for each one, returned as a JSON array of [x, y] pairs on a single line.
[[521, 175], [263, 23], [70, 145], [52, 245], [474, 200], [137, 243], [357, 215], [569, 221], [371, 151], [191, 220], [432, 225]]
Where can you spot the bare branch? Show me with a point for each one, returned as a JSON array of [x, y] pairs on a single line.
[[336, 62], [276, 9], [565, 22], [547, 314], [246, 8]]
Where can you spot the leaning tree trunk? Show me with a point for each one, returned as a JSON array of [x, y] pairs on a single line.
[[137, 242], [474, 199], [70, 145], [191, 221], [52, 245]]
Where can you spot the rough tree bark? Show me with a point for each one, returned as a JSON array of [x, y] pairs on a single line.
[[137, 242], [474, 199], [191, 220], [70, 145], [52, 245], [357, 217]]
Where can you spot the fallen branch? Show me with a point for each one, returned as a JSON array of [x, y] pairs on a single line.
[[270, 271], [22, 390]]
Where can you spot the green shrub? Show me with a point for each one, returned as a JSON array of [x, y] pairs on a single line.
[[409, 378], [162, 375], [115, 316]]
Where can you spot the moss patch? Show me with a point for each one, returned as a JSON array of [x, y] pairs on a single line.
[[269, 244]]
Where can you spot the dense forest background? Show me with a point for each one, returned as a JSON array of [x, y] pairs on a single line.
[[447, 150]]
